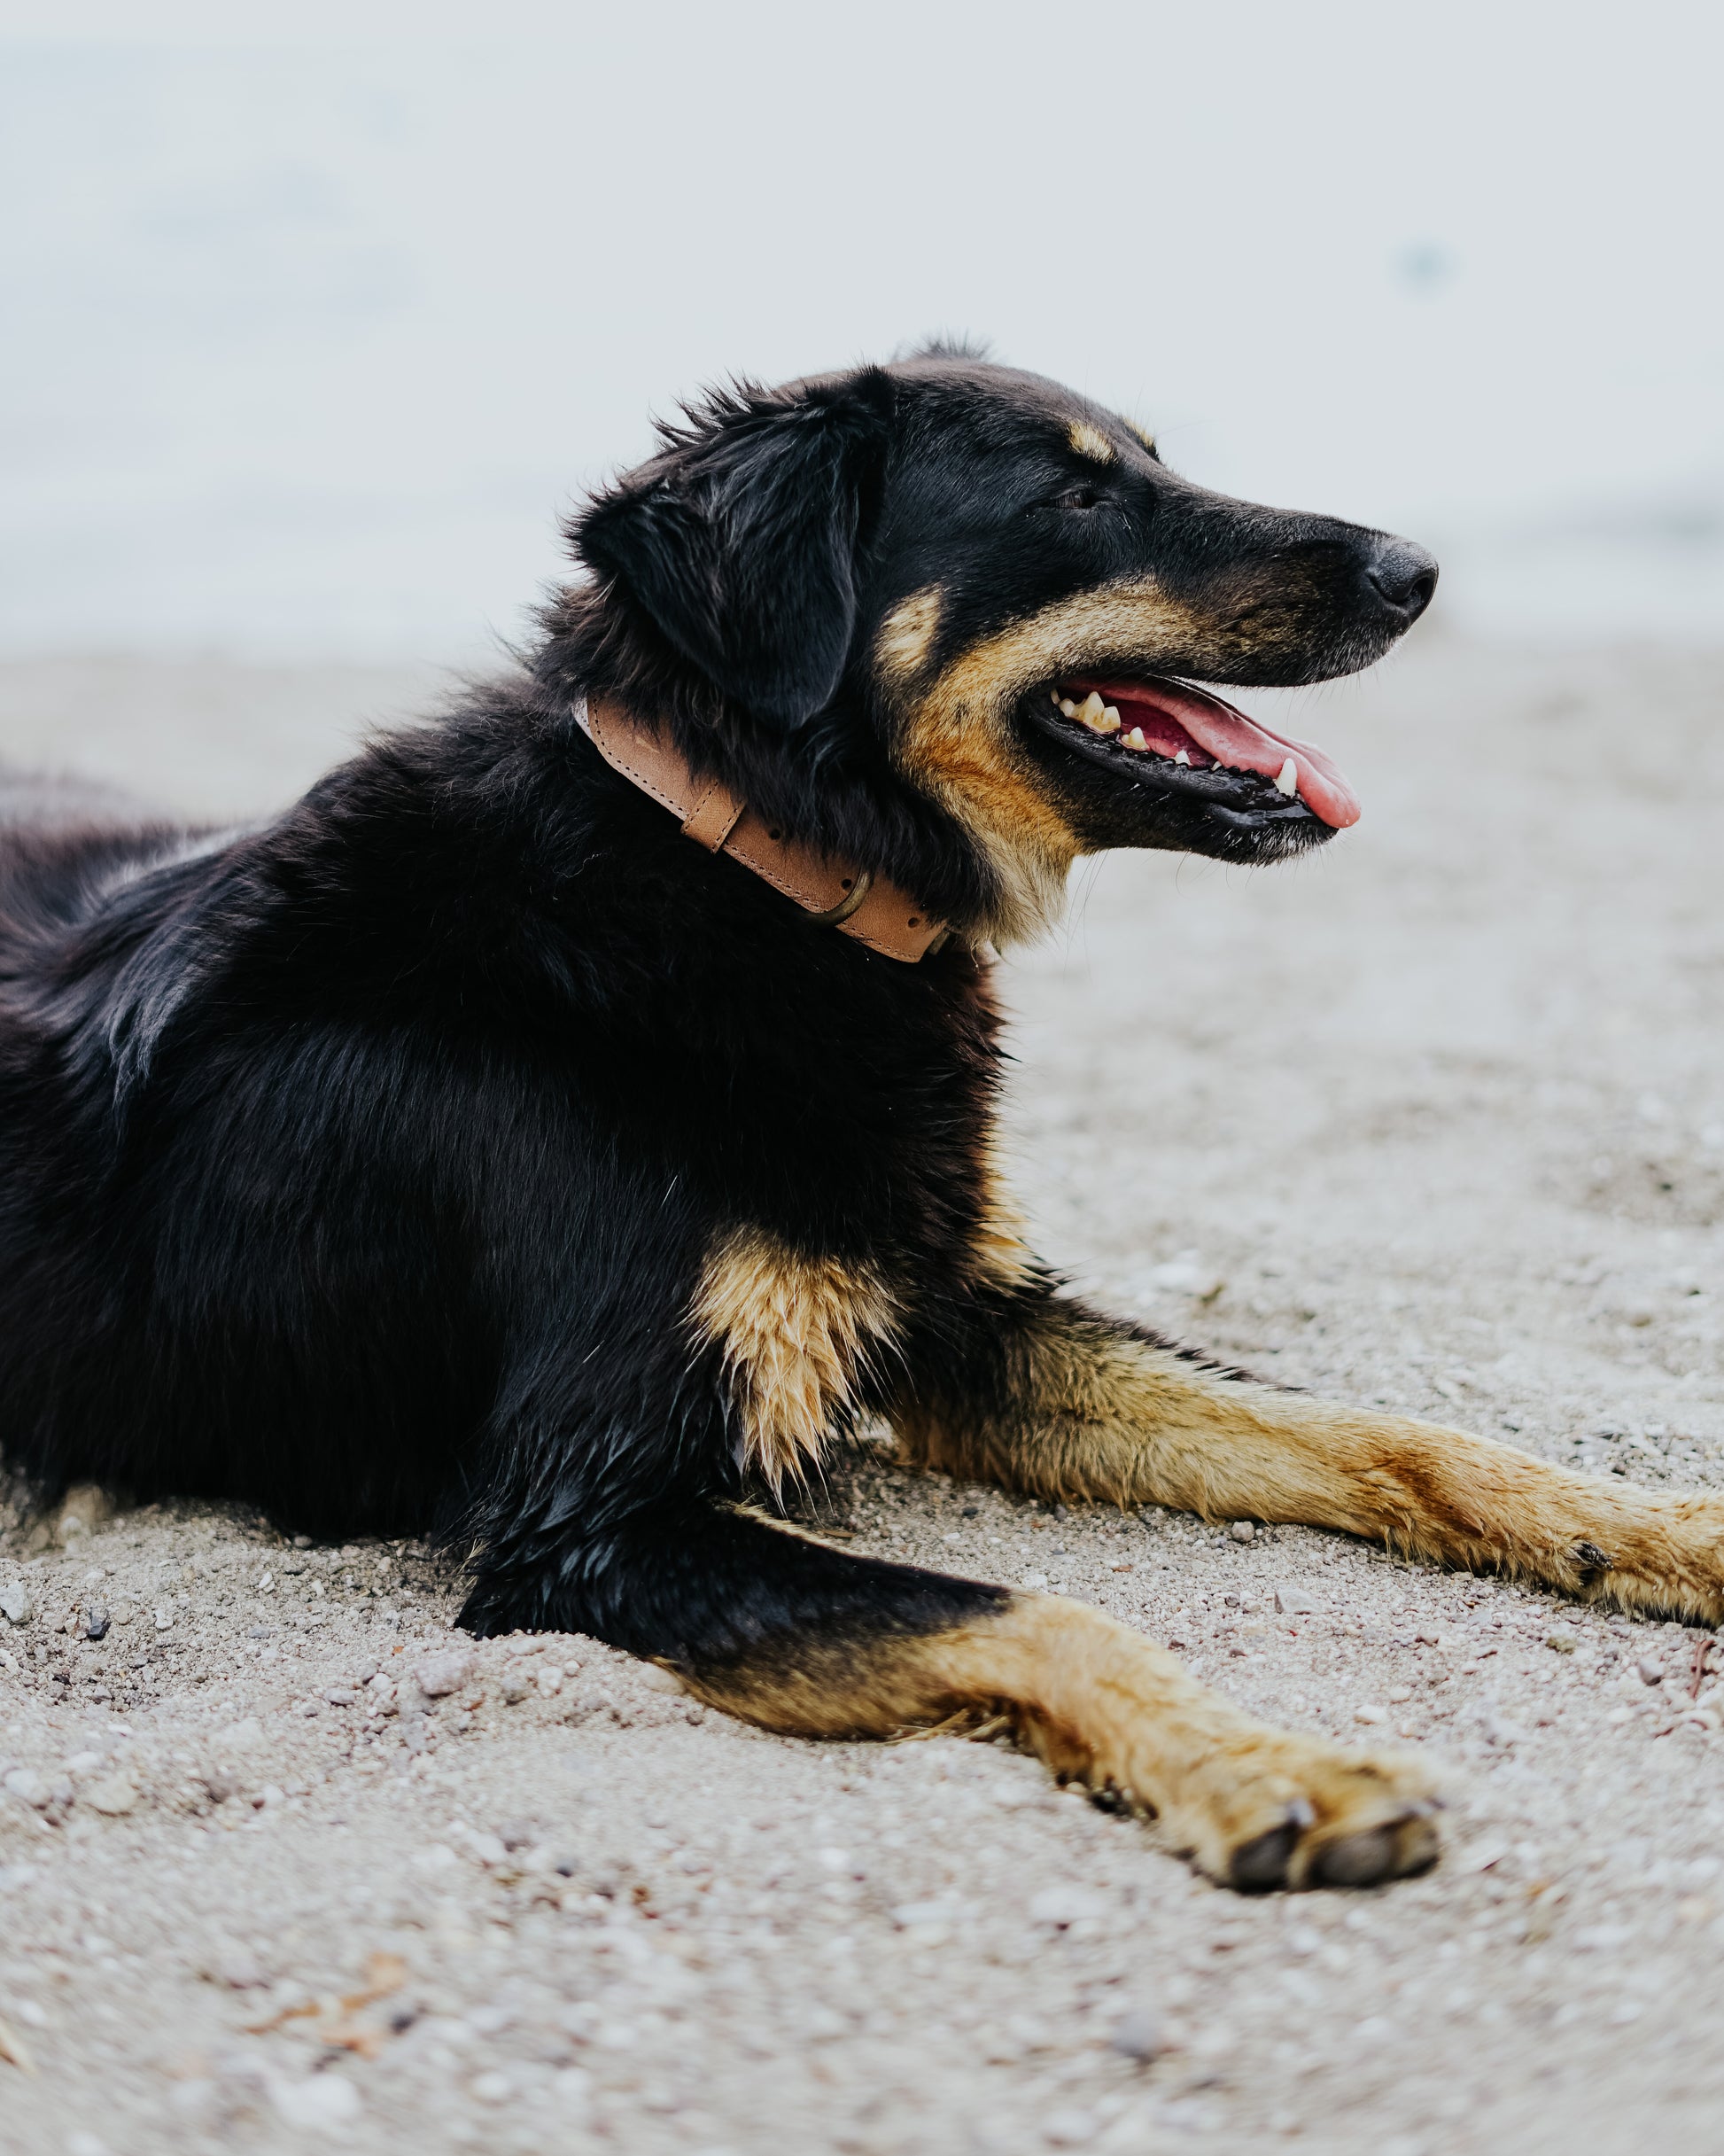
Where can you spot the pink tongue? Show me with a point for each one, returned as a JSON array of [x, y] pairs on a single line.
[[1234, 740]]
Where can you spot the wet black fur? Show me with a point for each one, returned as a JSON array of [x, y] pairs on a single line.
[[362, 1166]]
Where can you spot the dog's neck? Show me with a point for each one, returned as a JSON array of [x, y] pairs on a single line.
[[837, 894]]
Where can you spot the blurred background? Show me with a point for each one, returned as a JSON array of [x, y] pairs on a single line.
[[313, 326]]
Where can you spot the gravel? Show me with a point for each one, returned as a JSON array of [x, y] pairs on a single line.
[[1421, 1123]]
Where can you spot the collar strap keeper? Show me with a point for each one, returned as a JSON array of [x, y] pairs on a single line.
[[837, 894]]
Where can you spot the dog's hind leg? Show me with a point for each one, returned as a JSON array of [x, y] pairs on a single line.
[[788, 1633], [1041, 1394]]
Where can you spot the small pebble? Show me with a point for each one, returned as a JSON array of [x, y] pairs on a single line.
[[320, 2102], [1293, 1602], [15, 1604], [439, 1674], [114, 1794], [492, 2088], [1649, 1672], [1070, 2130], [1137, 2036], [1243, 1530], [922, 1916], [192, 2102], [1062, 1905], [572, 2087], [1370, 1714]]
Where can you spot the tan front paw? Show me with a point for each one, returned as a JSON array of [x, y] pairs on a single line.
[[1271, 1809]]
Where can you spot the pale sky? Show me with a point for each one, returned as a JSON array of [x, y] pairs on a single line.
[[307, 342]]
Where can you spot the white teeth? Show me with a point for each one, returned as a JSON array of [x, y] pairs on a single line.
[[1135, 738], [1092, 712], [1053, 697], [1181, 758], [1286, 779]]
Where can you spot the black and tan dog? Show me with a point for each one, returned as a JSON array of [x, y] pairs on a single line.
[[481, 1147]]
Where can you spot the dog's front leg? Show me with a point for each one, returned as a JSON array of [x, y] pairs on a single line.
[[788, 1633], [1043, 1395]]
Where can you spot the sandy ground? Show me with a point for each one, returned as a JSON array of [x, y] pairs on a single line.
[[1435, 1120]]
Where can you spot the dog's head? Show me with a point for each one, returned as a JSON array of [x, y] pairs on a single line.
[[974, 602]]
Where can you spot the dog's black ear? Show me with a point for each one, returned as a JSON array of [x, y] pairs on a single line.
[[740, 539]]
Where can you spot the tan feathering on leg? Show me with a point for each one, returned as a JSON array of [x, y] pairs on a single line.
[[1096, 1409]]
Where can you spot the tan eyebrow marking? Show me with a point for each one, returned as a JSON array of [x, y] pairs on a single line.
[[1090, 441], [907, 634], [1143, 435]]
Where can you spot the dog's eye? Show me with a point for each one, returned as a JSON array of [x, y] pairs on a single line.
[[1081, 497]]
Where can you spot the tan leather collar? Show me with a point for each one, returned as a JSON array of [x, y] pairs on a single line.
[[876, 913]]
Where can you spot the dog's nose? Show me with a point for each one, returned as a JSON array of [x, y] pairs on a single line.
[[1403, 576]]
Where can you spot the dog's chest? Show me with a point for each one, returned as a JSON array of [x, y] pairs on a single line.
[[870, 1190]]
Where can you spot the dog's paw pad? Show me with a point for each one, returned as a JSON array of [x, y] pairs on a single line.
[[1357, 1860], [1392, 1849], [1260, 1865]]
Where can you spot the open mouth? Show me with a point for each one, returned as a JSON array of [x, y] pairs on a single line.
[[1170, 726]]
